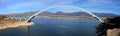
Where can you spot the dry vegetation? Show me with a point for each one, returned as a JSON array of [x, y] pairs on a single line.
[[4, 20], [7, 22]]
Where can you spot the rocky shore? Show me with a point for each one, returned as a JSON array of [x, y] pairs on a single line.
[[110, 27]]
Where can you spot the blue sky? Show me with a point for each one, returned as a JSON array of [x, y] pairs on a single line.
[[21, 6]]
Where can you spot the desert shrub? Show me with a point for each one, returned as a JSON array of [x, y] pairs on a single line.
[[2, 17]]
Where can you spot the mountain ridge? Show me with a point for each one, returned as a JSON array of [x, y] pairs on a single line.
[[62, 13]]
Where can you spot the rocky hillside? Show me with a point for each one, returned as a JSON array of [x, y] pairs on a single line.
[[7, 22]]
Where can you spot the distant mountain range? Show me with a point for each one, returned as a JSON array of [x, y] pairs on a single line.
[[46, 13]]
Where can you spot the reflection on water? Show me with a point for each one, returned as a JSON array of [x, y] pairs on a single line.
[[54, 27], [19, 31]]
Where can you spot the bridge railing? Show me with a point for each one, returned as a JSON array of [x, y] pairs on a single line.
[[18, 17]]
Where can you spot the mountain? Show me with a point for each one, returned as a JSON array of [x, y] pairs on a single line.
[[59, 13], [106, 14], [21, 14], [97, 14], [46, 13]]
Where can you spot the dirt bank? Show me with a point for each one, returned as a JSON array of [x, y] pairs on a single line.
[[8, 23]]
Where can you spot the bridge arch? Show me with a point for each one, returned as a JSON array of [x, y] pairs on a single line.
[[31, 17]]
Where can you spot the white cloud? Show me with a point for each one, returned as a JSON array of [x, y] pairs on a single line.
[[41, 4], [32, 4]]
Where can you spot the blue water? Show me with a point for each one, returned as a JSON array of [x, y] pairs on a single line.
[[54, 27]]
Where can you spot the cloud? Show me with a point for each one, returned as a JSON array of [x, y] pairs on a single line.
[[19, 5], [42, 3], [97, 5], [88, 3]]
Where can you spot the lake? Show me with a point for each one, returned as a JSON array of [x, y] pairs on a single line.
[[54, 27]]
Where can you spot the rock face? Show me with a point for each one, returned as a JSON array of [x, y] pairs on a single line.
[[113, 32], [110, 26]]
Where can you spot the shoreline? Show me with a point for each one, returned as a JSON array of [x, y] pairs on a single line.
[[16, 24], [63, 17]]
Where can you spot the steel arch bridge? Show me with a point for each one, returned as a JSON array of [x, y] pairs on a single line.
[[31, 17]]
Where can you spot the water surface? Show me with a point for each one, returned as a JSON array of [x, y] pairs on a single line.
[[54, 27]]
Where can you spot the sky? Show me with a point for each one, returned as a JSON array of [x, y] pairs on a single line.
[[21, 6]]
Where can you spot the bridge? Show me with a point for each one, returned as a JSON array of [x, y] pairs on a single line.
[[18, 17], [29, 18]]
